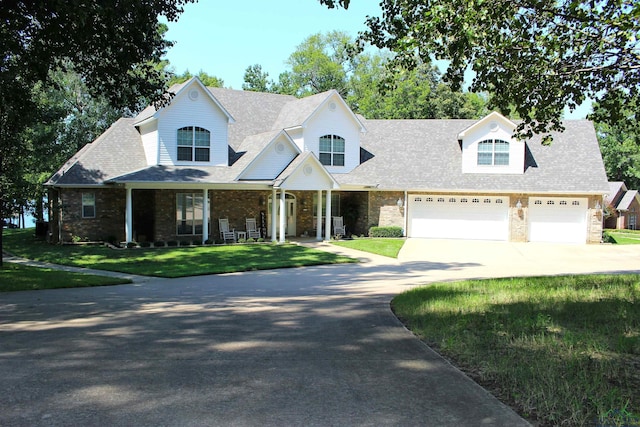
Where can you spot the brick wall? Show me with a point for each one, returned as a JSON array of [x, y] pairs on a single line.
[[108, 224], [361, 210]]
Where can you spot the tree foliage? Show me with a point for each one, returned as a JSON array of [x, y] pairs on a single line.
[[329, 61], [536, 56], [205, 78], [113, 46], [620, 144], [320, 63], [256, 80]]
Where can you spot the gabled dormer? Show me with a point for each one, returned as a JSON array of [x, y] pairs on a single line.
[[488, 146], [265, 156], [191, 131], [324, 125]]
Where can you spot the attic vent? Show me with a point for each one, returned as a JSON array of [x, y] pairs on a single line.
[[493, 126], [193, 94], [308, 170], [332, 106], [280, 148]]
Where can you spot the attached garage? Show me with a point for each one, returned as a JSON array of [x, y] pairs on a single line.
[[555, 219], [458, 217]]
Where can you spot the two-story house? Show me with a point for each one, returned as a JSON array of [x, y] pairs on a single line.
[[293, 164]]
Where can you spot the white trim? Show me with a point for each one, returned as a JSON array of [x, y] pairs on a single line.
[[129, 216]]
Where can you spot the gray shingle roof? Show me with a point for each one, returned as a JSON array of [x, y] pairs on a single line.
[[625, 202], [179, 175], [399, 154], [255, 112], [425, 154], [115, 152], [297, 111]]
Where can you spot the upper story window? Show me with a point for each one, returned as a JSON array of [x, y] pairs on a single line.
[[331, 150], [493, 152], [194, 144]]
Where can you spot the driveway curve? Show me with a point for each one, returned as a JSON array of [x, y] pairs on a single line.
[[306, 346]]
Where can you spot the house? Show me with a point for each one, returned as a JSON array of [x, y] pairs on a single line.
[[623, 206], [213, 153]]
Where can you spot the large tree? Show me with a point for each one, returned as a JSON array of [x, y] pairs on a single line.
[[620, 144], [321, 62], [114, 47], [329, 61], [536, 56]]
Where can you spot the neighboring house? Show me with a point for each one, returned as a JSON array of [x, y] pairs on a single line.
[[292, 164], [623, 207]]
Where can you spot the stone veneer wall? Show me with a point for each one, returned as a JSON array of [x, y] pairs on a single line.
[[595, 220], [384, 210]]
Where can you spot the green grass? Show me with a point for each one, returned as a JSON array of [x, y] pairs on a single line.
[[170, 262], [386, 247], [14, 277], [559, 350], [622, 237]]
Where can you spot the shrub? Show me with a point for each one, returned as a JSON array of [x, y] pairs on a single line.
[[242, 240], [185, 243], [145, 244], [172, 243], [208, 242], [131, 245], [385, 232], [158, 244], [260, 239]]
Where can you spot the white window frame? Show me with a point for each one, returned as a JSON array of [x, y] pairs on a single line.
[[497, 155], [335, 153], [192, 214], [88, 201], [197, 144]]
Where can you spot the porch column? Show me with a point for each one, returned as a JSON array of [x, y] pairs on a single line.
[[327, 224], [205, 215], [406, 199], [274, 215], [128, 227], [319, 216], [283, 215]]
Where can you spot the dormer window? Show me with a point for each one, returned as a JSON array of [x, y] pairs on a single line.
[[194, 144], [331, 152], [493, 152]]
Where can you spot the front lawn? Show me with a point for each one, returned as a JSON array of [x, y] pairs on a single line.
[[388, 247], [169, 262], [559, 350], [622, 237], [14, 277]]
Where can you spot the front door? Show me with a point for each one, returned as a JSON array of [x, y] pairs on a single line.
[[290, 211]]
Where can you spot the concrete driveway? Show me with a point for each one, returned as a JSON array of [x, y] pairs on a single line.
[[307, 346]]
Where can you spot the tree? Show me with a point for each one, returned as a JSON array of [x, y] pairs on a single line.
[[329, 61], [538, 56], [205, 78], [256, 80], [320, 63], [113, 46], [620, 144], [419, 93]]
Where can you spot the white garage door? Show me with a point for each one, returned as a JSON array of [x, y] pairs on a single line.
[[458, 217], [554, 219]]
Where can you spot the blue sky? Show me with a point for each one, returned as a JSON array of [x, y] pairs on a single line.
[[223, 38]]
